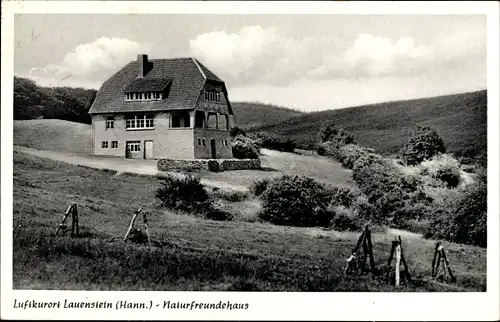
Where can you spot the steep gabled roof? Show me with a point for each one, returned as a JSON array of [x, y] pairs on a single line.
[[187, 77], [147, 85]]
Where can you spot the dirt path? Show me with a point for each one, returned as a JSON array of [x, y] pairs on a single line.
[[144, 167]]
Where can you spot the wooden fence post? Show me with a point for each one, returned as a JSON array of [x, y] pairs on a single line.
[[398, 260], [145, 220], [397, 249], [440, 264], [370, 249], [66, 214], [75, 229], [364, 241], [131, 225]]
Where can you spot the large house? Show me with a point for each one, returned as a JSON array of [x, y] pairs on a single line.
[[162, 108]]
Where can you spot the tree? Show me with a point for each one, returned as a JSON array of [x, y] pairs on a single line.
[[329, 132], [235, 131], [423, 143]]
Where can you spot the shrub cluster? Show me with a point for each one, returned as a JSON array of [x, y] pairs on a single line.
[[393, 194], [259, 186], [350, 153], [296, 201], [303, 202], [185, 194], [188, 195], [463, 220], [423, 143], [329, 132], [275, 142], [444, 168], [235, 131], [245, 148]]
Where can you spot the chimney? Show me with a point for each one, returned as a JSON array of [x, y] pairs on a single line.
[[142, 59]]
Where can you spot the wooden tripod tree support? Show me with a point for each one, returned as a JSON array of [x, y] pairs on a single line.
[[145, 222], [366, 240], [397, 249], [441, 266], [75, 227]]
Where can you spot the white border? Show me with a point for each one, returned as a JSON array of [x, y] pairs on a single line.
[[271, 306]]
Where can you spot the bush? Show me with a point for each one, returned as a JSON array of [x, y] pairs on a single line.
[[184, 194], [219, 215], [366, 160], [351, 153], [423, 143], [245, 148], [236, 131], [321, 150], [388, 190], [343, 223], [341, 196], [213, 166], [442, 167], [259, 186], [296, 201], [464, 220], [365, 211], [329, 132], [229, 195], [276, 142]]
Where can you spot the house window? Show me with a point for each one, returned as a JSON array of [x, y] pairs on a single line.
[[212, 120], [143, 96], [223, 123], [204, 142], [134, 146], [110, 122], [140, 121], [104, 144], [114, 144], [181, 119], [212, 96], [199, 141]]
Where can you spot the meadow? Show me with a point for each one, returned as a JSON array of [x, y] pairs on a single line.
[[188, 252]]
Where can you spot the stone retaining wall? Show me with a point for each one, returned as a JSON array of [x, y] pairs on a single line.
[[213, 165]]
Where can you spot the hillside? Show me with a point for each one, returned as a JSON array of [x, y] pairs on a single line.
[[189, 253], [32, 101], [252, 114], [53, 135], [460, 120]]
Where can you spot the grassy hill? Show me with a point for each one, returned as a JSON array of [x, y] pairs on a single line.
[[53, 135], [189, 253], [460, 120], [252, 114]]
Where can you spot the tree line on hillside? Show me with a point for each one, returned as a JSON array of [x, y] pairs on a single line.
[[36, 102]]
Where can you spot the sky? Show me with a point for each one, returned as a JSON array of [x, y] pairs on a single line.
[[305, 62]]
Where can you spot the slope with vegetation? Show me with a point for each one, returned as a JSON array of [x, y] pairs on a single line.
[[460, 119], [254, 114], [34, 102]]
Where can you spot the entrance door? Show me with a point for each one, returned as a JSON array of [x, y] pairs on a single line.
[[212, 149], [148, 149]]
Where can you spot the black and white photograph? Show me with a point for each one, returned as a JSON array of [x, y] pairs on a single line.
[[221, 154]]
